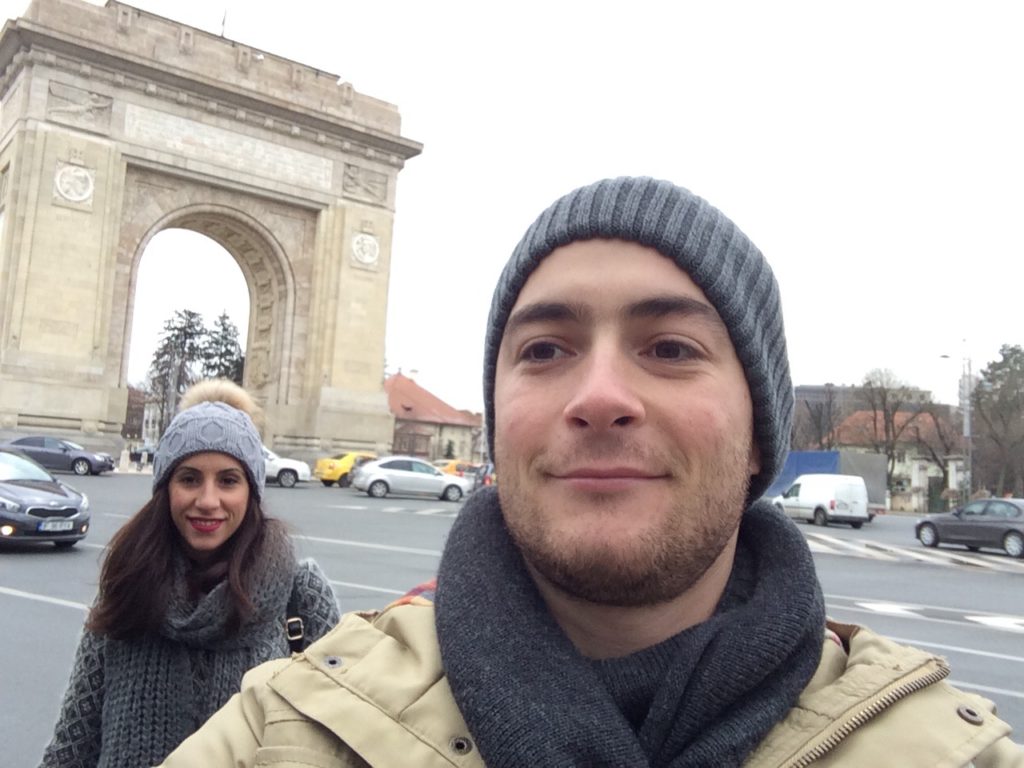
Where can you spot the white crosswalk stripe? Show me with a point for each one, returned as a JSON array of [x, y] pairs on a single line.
[[823, 543]]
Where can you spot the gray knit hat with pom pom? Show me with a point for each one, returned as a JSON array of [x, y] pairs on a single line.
[[211, 426], [706, 245]]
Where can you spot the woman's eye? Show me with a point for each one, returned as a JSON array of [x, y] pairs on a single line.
[[541, 351]]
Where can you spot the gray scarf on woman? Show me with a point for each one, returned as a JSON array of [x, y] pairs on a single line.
[[712, 692], [155, 691]]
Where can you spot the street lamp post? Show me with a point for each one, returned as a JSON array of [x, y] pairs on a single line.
[[968, 386], [965, 391]]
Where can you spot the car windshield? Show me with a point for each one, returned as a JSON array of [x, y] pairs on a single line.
[[73, 446], [16, 468]]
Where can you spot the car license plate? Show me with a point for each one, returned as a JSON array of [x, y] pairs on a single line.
[[56, 525]]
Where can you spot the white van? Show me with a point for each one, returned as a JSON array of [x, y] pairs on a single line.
[[824, 499]]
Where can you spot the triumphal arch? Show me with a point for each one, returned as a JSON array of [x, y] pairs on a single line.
[[115, 124]]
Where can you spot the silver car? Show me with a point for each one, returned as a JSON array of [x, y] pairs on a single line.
[[36, 506], [407, 475]]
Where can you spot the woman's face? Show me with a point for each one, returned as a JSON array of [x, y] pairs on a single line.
[[209, 493]]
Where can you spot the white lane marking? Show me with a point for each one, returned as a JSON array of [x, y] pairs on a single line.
[[838, 546], [43, 598], [438, 512], [346, 506], [368, 588], [818, 548], [893, 609], [987, 689], [368, 545], [956, 649], [1012, 623], [959, 622], [115, 514], [923, 606]]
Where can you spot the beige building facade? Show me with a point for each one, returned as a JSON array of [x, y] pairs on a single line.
[[116, 124]]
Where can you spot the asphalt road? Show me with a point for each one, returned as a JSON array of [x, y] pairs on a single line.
[[968, 607]]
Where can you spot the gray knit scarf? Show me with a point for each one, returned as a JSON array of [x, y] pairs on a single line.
[[158, 689], [529, 698]]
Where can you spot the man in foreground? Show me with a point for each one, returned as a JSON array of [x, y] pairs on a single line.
[[621, 598]]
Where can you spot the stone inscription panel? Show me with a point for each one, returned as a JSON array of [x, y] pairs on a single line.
[[192, 139]]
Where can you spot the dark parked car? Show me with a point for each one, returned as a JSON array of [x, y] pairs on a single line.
[[36, 506], [993, 523], [64, 455]]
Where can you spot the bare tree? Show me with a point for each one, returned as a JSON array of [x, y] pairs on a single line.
[[815, 422], [938, 437], [893, 411]]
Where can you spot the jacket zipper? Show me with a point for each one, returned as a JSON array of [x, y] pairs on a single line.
[[872, 710]]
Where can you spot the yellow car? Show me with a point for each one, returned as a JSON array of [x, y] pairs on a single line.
[[338, 469], [458, 467]]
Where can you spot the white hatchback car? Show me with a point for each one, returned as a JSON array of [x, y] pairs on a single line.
[[408, 475], [285, 472]]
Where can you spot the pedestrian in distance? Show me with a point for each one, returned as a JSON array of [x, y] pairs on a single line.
[[196, 588], [623, 596]]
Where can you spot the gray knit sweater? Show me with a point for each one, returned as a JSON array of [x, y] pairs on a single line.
[[131, 702]]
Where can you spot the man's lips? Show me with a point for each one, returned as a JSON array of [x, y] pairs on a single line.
[[205, 524], [607, 473], [607, 479]]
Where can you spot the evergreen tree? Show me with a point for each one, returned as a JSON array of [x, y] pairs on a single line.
[[222, 355], [175, 363], [998, 401]]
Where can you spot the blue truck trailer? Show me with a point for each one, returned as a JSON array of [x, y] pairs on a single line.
[[870, 466]]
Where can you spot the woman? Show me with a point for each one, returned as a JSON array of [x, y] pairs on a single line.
[[196, 588]]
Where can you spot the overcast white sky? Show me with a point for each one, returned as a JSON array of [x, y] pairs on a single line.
[[874, 151]]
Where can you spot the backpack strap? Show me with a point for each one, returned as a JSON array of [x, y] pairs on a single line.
[[293, 626]]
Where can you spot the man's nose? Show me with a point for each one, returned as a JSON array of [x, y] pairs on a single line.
[[606, 394]]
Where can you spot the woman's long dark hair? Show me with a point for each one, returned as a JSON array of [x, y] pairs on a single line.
[[138, 573]]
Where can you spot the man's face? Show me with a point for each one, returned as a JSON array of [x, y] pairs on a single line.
[[623, 425]]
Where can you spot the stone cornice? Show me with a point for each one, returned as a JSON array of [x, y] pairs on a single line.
[[24, 43]]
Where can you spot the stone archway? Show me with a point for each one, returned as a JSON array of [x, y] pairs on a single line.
[[116, 124]]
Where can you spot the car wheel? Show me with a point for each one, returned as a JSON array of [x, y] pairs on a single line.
[[378, 489], [927, 535], [1013, 544], [287, 478], [81, 467], [820, 518], [856, 526], [327, 483], [452, 493], [65, 544], [345, 480]]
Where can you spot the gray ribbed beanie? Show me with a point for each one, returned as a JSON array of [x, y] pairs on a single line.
[[706, 245], [211, 426]]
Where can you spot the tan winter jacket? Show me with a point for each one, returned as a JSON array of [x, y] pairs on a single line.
[[372, 692]]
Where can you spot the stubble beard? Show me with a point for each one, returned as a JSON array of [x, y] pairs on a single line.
[[659, 563]]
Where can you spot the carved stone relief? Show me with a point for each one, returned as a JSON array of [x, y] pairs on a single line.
[[364, 184], [74, 184], [83, 109]]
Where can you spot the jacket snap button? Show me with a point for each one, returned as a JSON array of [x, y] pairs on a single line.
[[333, 661], [970, 714], [460, 745]]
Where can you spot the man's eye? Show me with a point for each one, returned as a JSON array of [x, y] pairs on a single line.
[[541, 351], [671, 350]]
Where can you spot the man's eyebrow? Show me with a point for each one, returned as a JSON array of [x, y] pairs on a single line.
[[547, 311], [663, 306]]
